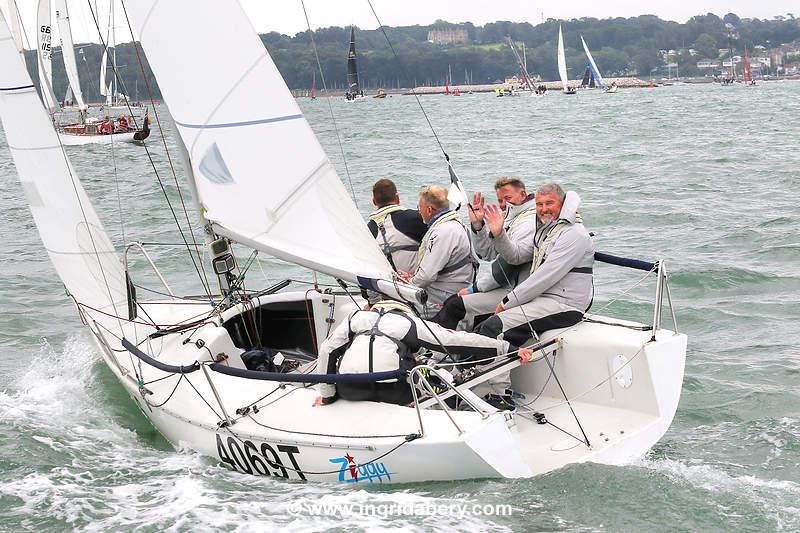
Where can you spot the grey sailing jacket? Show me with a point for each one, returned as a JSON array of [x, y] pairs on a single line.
[[446, 265], [511, 251], [566, 273]]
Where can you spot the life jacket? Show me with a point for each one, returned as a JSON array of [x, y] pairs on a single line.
[[389, 248], [405, 359], [540, 252], [423, 247]]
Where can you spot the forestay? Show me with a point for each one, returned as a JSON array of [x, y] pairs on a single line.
[[68, 52], [79, 247], [44, 38], [595, 72], [562, 62], [262, 177]]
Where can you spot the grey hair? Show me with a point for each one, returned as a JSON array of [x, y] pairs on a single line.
[[551, 188], [435, 196]]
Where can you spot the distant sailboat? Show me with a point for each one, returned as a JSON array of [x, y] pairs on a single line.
[[591, 77], [746, 74], [562, 66], [354, 91], [89, 130], [313, 83]]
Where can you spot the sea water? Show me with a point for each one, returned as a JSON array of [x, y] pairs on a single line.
[[705, 177]]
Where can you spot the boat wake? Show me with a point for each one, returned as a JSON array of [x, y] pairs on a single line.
[[73, 465]]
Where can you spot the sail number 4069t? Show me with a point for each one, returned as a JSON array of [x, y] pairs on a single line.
[[245, 456]]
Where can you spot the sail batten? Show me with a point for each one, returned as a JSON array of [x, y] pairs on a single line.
[[261, 176]]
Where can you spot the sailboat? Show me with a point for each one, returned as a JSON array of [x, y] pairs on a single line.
[[562, 65], [605, 390], [747, 76], [523, 68], [354, 90], [313, 84], [592, 77], [87, 130]]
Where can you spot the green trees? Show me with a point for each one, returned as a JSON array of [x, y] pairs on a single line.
[[621, 46]]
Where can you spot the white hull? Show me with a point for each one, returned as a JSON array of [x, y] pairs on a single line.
[[68, 139], [623, 414]]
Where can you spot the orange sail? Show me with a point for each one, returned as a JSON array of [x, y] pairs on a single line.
[[748, 77]]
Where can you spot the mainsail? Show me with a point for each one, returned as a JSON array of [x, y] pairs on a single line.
[[79, 248], [352, 70], [44, 37], [68, 52], [261, 177], [593, 66], [562, 62]]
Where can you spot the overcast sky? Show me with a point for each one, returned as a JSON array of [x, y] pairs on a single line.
[[286, 16]]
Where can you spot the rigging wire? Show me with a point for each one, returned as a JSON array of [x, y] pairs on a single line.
[[328, 99], [405, 75], [198, 269]]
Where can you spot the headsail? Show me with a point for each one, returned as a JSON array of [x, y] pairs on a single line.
[[262, 178], [44, 37], [352, 70], [593, 66], [562, 62], [68, 52], [79, 248]]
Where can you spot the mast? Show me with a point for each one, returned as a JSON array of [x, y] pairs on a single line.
[[528, 80]]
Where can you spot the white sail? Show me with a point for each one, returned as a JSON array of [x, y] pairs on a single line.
[[44, 38], [103, 62], [595, 72], [13, 19], [79, 248], [262, 177], [68, 52], [562, 62]]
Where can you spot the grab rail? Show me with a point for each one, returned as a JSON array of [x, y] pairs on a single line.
[[141, 248], [662, 284]]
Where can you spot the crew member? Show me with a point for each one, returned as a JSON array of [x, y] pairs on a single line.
[[443, 264], [388, 337], [559, 288], [398, 230], [503, 236]]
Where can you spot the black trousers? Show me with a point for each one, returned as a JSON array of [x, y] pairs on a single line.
[[398, 393]]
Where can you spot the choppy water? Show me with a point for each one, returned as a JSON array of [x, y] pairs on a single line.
[[703, 176]]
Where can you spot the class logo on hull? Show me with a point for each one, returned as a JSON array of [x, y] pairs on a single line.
[[352, 472]]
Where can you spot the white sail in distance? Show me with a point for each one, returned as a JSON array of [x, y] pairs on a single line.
[[595, 72], [562, 62], [44, 38], [103, 90], [262, 177], [68, 53], [79, 248]]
